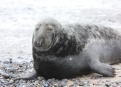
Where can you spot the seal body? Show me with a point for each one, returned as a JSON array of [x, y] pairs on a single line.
[[73, 50], [95, 57]]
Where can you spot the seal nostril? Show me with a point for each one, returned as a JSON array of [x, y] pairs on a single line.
[[39, 43]]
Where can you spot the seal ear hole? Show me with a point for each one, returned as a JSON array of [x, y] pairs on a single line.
[[39, 24]]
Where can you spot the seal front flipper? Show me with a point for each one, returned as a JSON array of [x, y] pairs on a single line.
[[27, 76], [102, 68]]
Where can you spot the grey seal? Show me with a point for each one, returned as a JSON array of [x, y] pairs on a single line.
[[65, 51]]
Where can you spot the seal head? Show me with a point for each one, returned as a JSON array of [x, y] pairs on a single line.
[[45, 34]]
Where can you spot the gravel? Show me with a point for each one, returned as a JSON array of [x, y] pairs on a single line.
[[17, 69]]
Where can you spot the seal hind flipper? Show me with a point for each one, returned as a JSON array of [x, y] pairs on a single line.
[[103, 69]]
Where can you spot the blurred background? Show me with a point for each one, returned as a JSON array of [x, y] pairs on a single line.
[[19, 17]]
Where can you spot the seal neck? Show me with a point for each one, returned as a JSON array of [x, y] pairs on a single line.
[[65, 45]]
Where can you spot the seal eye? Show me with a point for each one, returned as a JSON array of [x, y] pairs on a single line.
[[38, 26]]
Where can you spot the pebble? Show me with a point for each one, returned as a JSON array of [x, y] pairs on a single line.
[[10, 60], [11, 81], [2, 80], [81, 83], [6, 62], [40, 78], [13, 70], [108, 84], [45, 85], [20, 65]]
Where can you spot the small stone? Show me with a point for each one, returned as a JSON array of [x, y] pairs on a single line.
[[39, 85], [13, 69], [96, 77], [6, 62], [20, 70], [85, 82], [2, 80], [11, 81], [10, 60], [40, 78], [20, 65], [69, 83], [108, 84], [37, 81], [119, 81], [108, 80], [81, 83], [45, 85]]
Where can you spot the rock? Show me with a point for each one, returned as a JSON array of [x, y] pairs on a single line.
[[6, 62], [10, 60], [81, 83]]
